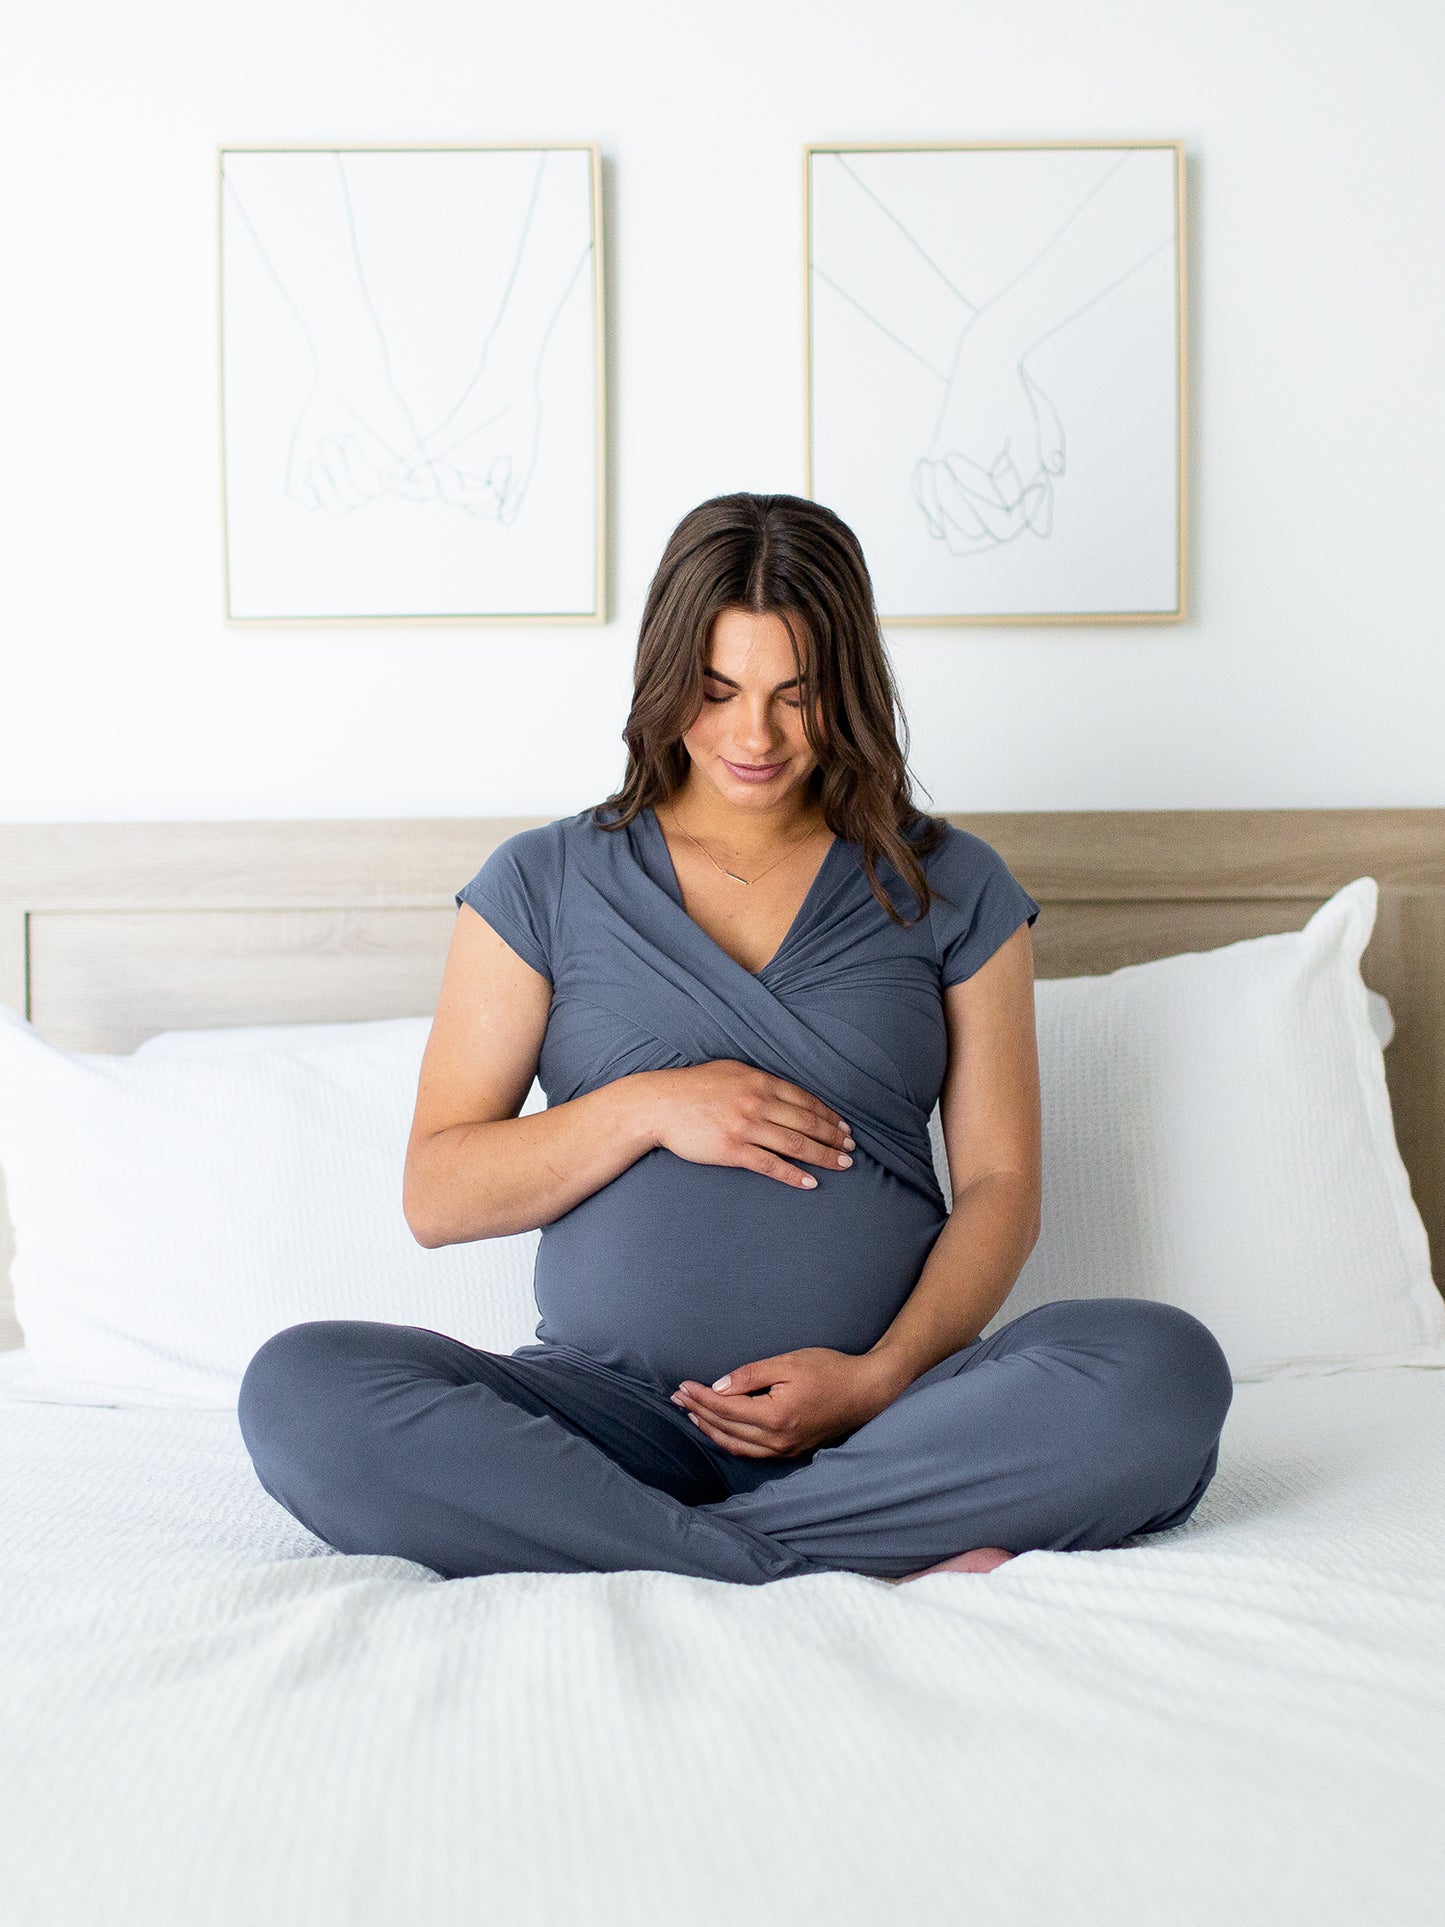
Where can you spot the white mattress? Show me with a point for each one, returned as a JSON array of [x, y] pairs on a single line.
[[210, 1717]]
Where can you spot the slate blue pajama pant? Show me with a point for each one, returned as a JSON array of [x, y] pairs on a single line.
[[1076, 1426]]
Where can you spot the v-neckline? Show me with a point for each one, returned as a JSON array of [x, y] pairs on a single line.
[[674, 890]]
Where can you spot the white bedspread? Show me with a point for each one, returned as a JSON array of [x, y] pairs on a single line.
[[209, 1718]]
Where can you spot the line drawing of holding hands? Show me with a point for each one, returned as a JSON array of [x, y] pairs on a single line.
[[356, 437], [998, 443]]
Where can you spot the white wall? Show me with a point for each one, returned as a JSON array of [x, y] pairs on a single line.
[[1312, 671]]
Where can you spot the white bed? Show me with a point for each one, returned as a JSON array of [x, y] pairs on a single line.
[[210, 1718]]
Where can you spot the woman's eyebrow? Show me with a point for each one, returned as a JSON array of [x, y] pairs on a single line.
[[717, 674]]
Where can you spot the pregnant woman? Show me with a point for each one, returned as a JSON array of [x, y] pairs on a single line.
[[743, 982]]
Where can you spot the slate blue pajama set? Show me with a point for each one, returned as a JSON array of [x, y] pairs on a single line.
[[1078, 1425]]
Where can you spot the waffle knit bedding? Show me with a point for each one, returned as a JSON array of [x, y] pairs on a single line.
[[210, 1717]]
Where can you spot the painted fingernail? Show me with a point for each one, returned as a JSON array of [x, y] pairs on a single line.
[[849, 1145], [845, 1162], [809, 1184]]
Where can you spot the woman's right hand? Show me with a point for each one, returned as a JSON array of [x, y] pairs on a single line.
[[726, 1112]]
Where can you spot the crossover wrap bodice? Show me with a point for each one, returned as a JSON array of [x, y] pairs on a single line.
[[680, 1270]]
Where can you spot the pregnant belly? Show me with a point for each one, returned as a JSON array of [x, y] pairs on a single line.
[[677, 1270]]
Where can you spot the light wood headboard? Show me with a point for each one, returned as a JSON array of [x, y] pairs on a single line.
[[110, 932]]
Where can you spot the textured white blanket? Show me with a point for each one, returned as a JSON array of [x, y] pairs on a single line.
[[208, 1718]]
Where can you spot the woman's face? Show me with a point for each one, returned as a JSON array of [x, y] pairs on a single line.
[[747, 740]]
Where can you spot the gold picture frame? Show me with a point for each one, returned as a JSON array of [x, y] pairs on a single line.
[[337, 462], [1059, 228]]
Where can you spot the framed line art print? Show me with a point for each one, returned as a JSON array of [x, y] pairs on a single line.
[[412, 406], [995, 340]]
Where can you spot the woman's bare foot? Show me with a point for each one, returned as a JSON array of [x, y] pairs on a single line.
[[981, 1559]]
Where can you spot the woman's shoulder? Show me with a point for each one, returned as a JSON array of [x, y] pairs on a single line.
[[529, 864], [556, 837], [958, 859], [979, 902], [534, 852], [542, 853]]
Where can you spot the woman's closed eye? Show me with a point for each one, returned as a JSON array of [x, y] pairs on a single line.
[[787, 702]]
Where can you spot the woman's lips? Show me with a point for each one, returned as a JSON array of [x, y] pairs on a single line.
[[755, 773]]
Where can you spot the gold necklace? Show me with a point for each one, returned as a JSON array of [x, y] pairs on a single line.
[[732, 873]]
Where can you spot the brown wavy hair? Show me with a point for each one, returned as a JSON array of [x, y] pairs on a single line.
[[781, 555]]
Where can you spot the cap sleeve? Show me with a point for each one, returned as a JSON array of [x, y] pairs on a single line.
[[517, 891], [985, 903]]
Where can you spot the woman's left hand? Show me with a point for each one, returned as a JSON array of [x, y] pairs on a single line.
[[785, 1406]]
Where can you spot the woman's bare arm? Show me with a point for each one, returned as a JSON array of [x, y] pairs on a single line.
[[992, 1132], [476, 1169]]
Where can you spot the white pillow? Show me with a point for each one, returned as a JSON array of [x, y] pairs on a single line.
[[1217, 1133], [174, 1207]]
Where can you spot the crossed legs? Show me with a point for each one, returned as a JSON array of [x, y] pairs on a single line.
[[1075, 1426]]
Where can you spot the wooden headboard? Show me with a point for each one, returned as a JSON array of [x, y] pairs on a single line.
[[110, 932]]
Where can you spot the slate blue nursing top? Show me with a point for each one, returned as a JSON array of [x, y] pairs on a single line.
[[677, 1270]]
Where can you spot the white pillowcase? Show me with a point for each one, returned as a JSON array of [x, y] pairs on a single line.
[[174, 1207], [1217, 1133]]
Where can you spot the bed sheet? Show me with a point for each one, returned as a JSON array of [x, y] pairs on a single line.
[[209, 1716]]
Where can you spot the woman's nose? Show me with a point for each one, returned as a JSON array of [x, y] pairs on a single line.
[[758, 731]]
